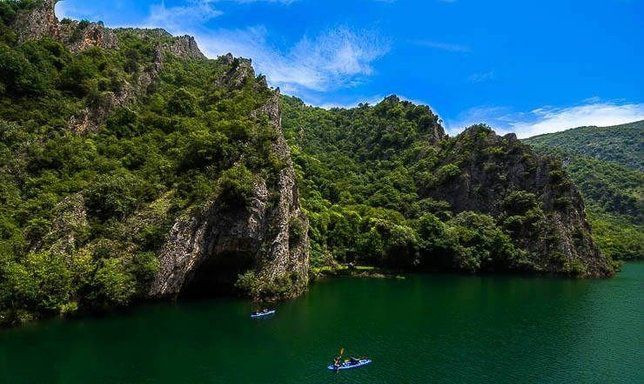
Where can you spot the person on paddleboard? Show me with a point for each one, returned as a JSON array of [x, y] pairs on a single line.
[[337, 362]]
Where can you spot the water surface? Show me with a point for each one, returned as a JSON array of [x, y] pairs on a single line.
[[424, 329]]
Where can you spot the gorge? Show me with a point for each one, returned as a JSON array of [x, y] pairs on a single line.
[[133, 168]]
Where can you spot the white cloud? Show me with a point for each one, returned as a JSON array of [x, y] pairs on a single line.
[[336, 58], [177, 18], [193, 12], [549, 119]]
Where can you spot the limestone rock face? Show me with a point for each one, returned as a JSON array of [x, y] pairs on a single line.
[[38, 23], [495, 166], [268, 239], [79, 37]]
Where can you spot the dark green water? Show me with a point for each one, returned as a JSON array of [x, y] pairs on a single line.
[[425, 329]]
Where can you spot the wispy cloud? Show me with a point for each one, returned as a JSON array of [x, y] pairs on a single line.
[[338, 57], [335, 58], [66, 9], [549, 119], [450, 47], [194, 12]]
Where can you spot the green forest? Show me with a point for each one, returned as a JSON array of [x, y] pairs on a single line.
[[376, 182], [607, 165], [192, 137]]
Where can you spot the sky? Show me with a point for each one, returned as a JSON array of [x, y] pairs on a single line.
[[528, 66]]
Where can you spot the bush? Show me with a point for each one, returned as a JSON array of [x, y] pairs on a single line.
[[18, 76], [236, 186], [480, 244], [113, 196], [182, 103], [41, 283], [112, 285], [519, 202]]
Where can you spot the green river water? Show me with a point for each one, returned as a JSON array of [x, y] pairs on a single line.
[[423, 329]]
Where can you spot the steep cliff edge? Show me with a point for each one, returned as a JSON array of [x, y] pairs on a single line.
[[267, 242], [499, 176], [133, 168]]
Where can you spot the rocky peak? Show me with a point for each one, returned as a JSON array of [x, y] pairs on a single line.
[[39, 22], [79, 36], [492, 168], [186, 47]]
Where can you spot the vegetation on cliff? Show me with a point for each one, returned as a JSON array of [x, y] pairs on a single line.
[[84, 213], [383, 185], [608, 167]]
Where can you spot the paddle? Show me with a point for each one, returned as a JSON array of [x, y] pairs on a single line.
[[338, 360]]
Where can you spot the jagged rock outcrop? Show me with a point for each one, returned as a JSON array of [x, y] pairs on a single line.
[[39, 22], [79, 36], [492, 167], [268, 239], [240, 70], [181, 46]]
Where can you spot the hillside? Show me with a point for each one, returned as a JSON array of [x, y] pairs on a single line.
[[606, 165], [132, 168], [383, 185], [621, 144]]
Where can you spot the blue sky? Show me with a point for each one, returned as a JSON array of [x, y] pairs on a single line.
[[524, 66]]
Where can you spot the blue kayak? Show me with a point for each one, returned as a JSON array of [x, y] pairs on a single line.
[[256, 315], [350, 364]]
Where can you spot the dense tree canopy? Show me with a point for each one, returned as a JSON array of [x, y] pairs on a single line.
[[373, 180], [83, 215]]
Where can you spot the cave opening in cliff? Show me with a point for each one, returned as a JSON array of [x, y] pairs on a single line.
[[216, 276]]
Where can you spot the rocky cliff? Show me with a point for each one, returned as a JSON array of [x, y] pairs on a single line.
[[261, 247], [493, 169], [384, 185], [268, 241]]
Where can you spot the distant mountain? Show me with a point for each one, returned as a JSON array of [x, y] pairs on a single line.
[[607, 164], [621, 144]]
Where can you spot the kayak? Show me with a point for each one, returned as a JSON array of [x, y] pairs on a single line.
[[350, 365], [262, 314]]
